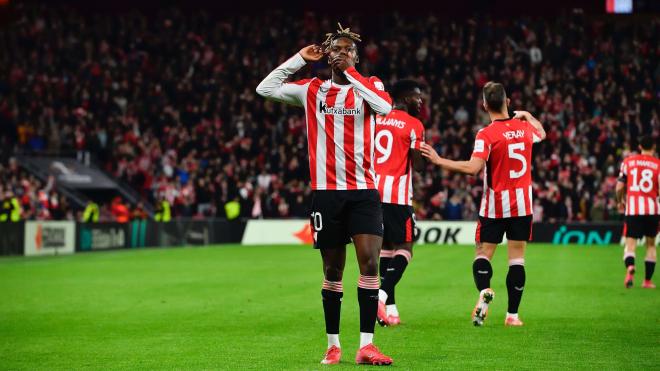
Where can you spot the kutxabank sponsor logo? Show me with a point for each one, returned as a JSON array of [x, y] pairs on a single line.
[[342, 111]]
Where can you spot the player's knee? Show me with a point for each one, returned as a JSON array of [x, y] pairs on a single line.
[[333, 274], [483, 251], [369, 266]]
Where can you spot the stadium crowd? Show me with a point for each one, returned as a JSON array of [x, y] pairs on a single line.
[[166, 102]]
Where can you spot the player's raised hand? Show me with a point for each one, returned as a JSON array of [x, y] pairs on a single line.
[[342, 62], [521, 115], [430, 153], [311, 53]]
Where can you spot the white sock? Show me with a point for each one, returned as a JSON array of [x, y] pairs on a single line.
[[382, 296], [511, 315], [391, 310], [366, 339], [333, 339]]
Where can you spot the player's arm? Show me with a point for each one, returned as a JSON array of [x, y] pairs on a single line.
[[620, 189], [416, 140], [273, 86], [471, 167], [536, 124], [371, 89]]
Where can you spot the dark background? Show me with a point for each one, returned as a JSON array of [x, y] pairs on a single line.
[[450, 8]]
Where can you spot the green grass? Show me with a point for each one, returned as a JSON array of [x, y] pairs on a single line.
[[259, 308]]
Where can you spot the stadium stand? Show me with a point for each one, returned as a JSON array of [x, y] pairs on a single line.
[[166, 104]]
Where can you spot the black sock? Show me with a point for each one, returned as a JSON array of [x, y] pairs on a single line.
[[515, 283], [390, 297], [650, 268], [393, 275], [482, 272], [628, 261], [385, 262], [332, 310], [368, 300], [382, 268]]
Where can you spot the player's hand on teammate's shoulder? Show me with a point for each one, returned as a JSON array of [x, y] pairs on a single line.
[[311, 53], [430, 153], [521, 115]]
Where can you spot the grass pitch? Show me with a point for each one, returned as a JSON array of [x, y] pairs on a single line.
[[234, 307]]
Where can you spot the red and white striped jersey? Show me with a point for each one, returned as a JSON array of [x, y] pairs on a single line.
[[506, 146], [396, 134], [641, 174], [340, 123]]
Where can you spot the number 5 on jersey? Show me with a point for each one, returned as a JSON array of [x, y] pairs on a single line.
[[517, 156]]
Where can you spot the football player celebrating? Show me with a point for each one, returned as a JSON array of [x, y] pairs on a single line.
[[504, 150], [346, 205]]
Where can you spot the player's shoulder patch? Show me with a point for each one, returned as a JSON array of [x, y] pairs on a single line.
[[479, 145], [377, 83]]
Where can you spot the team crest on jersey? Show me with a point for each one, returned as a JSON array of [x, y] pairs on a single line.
[[324, 108]]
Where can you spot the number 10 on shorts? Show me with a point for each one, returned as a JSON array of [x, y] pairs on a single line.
[[317, 221]]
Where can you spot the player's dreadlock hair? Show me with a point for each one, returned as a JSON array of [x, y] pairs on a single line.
[[341, 32]]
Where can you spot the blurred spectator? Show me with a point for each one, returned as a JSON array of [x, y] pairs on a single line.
[[91, 213], [454, 208], [163, 211], [119, 210], [138, 213]]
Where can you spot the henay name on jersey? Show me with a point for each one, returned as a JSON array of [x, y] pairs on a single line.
[[514, 134], [390, 122], [323, 108]]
